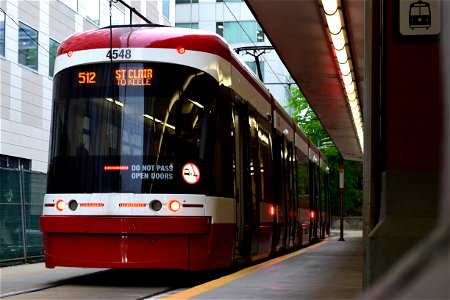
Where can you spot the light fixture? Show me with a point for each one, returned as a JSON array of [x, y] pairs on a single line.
[[339, 40], [345, 68], [341, 55], [159, 121], [338, 35], [350, 88], [330, 6], [334, 23], [351, 97], [347, 79]]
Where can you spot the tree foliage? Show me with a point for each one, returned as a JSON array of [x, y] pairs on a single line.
[[310, 124]]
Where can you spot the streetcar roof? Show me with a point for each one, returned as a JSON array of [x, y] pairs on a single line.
[[145, 36]]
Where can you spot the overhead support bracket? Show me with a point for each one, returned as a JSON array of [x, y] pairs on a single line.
[[256, 52]]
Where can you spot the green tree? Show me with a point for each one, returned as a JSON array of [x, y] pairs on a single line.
[[310, 124]]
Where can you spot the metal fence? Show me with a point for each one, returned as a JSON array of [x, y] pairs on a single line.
[[21, 196]]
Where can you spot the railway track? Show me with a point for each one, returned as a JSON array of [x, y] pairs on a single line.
[[114, 284]]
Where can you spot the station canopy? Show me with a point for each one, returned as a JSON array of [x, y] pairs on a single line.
[[299, 33]]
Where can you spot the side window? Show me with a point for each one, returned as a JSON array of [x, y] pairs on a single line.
[[303, 180], [28, 46], [255, 167], [260, 159], [265, 161]]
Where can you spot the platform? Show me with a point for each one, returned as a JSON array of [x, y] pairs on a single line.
[[331, 269]]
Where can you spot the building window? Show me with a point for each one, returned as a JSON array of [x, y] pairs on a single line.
[[187, 25], [166, 8], [240, 32], [252, 66], [2, 34], [117, 16], [185, 1], [91, 9], [219, 28], [52, 48], [12, 162], [28, 46], [73, 4]]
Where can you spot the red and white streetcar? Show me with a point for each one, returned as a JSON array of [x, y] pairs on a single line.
[[167, 152]]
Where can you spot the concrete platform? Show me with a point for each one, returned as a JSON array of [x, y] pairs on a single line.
[[331, 269]]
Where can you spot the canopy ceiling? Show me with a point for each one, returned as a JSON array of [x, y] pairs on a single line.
[[298, 32]]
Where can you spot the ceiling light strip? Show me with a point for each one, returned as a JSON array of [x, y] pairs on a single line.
[[338, 36]]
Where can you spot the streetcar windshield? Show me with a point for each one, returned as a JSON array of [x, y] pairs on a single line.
[[130, 127]]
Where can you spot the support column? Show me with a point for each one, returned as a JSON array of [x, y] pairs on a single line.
[[405, 131]]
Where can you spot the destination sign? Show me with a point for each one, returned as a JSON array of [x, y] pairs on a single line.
[[122, 77], [134, 77]]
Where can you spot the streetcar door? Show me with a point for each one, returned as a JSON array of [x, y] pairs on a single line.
[[280, 190], [247, 214], [314, 207], [291, 195]]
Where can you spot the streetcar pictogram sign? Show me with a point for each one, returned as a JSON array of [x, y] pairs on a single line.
[[419, 17], [190, 173]]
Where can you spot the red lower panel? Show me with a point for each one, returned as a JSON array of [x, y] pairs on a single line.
[[126, 225], [116, 251], [213, 248], [219, 245]]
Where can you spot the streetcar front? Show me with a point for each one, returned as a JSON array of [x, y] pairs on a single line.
[[135, 178]]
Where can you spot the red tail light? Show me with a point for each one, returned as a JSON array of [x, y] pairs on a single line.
[[312, 214], [272, 210]]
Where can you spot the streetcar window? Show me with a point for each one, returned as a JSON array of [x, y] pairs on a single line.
[[152, 118], [302, 180]]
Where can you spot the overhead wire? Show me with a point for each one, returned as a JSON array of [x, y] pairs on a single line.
[[20, 27], [226, 5], [250, 39]]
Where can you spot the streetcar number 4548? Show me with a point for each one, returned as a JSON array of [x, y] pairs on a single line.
[[119, 53]]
